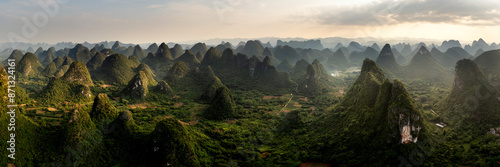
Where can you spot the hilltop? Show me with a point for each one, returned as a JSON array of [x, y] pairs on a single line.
[[375, 113], [473, 101], [73, 86]]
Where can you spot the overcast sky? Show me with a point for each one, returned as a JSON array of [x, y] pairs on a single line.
[[144, 21]]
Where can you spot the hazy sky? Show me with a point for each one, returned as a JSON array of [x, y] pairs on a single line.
[[143, 21]]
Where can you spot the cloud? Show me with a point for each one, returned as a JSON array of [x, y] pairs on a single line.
[[390, 12]]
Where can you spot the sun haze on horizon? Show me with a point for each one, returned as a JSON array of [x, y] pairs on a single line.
[[136, 21]]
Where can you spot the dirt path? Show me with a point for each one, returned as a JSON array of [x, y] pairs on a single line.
[[285, 105]]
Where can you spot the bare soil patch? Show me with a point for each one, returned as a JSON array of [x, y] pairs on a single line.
[[140, 105], [314, 164], [177, 105], [268, 97]]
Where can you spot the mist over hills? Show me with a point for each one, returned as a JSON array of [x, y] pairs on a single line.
[[479, 114], [320, 43], [400, 61], [257, 103]]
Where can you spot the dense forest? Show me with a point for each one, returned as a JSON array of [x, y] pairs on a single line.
[[297, 103]]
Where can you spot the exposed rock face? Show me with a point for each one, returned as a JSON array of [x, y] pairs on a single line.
[[403, 114], [383, 104], [138, 86], [164, 88], [148, 72]]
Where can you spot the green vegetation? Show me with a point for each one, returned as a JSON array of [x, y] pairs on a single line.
[[424, 68], [173, 145], [148, 72], [73, 86], [312, 79], [29, 65], [177, 51], [58, 61], [357, 57], [137, 87], [80, 53], [116, 69], [160, 61], [377, 121], [284, 66], [488, 62], [138, 52], [135, 62], [231, 109], [102, 109], [164, 88], [337, 61], [50, 70], [472, 101], [178, 70], [96, 61], [253, 48], [243, 73], [199, 47], [222, 106], [387, 60], [189, 58]]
